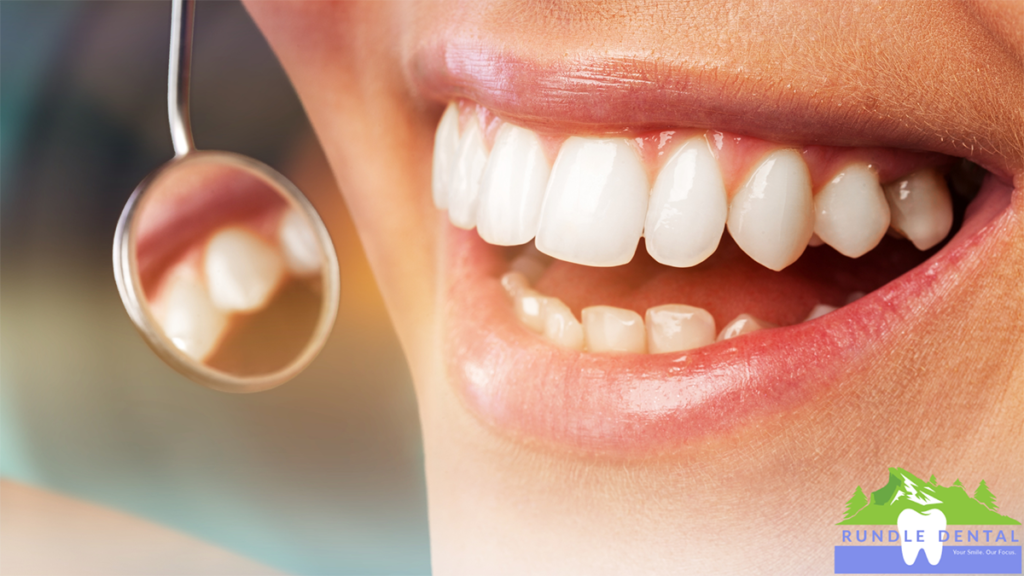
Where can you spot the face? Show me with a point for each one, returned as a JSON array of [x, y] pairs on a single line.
[[674, 278]]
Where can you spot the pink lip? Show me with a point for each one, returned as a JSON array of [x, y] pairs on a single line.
[[640, 404]]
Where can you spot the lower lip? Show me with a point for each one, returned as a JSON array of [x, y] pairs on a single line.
[[630, 405]]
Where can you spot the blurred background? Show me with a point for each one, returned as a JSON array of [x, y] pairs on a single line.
[[320, 476]]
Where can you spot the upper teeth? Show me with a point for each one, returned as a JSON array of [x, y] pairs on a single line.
[[595, 202]]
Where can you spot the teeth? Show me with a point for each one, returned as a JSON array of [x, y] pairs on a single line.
[[921, 531], [595, 204], [688, 207], [820, 310], [464, 191], [772, 216], [187, 316], [514, 283], [529, 305], [446, 146], [743, 324], [242, 271], [610, 329], [560, 326], [921, 208], [675, 327], [512, 188], [299, 245], [851, 213]]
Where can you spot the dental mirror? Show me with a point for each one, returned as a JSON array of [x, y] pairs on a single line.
[[222, 264]]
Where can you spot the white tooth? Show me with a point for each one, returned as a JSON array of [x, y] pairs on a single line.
[[688, 207], [446, 146], [595, 204], [676, 327], [610, 329], [851, 214], [531, 263], [464, 191], [512, 188], [560, 326], [743, 324], [820, 310], [242, 271], [187, 316], [529, 305], [921, 208], [921, 531], [815, 241], [514, 283], [299, 245], [771, 217]]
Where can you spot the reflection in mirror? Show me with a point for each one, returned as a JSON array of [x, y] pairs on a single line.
[[231, 268]]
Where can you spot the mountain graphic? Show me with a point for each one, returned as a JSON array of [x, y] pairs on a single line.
[[904, 490]]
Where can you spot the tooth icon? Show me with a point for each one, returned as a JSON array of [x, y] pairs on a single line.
[[920, 531]]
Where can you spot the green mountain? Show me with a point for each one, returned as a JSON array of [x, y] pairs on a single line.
[[904, 490]]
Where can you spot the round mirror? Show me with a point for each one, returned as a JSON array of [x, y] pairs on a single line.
[[227, 270]]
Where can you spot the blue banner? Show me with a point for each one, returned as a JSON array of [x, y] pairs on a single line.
[[955, 560]]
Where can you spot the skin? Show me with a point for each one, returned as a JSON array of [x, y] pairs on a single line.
[[947, 398]]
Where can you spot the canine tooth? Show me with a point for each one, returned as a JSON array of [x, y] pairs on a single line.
[[851, 213], [560, 326], [187, 316], [921, 531], [819, 310], [610, 329], [464, 191], [512, 188], [299, 244], [514, 283], [242, 271], [595, 204], [529, 305], [446, 146], [921, 208], [742, 324], [676, 327], [772, 216], [688, 207]]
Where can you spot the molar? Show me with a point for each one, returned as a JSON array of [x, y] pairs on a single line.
[[242, 271], [610, 329], [742, 324], [921, 208], [851, 212], [771, 217], [446, 146], [512, 189], [595, 204], [688, 207], [676, 327], [464, 190]]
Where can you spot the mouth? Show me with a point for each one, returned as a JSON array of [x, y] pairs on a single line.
[[621, 277]]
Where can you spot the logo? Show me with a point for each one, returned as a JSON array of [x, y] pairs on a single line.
[[910, 526]]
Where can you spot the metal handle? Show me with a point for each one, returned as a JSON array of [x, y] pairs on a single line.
[[179, 71]]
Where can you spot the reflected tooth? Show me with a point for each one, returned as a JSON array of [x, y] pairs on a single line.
[[299, 244], [514, 283], [851, 213], [595, 204], [512, 188], [560, 326], [610, 329], [531, 263], [921, 208], [446, 146], [772, 215], [819, 310], [242, 271], [676, 327], [688, 207], [187, 316], [921, 531], [529, 305], [464, 191], [743, 324]]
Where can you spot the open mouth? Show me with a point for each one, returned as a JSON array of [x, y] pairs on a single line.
[[630, 261]]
